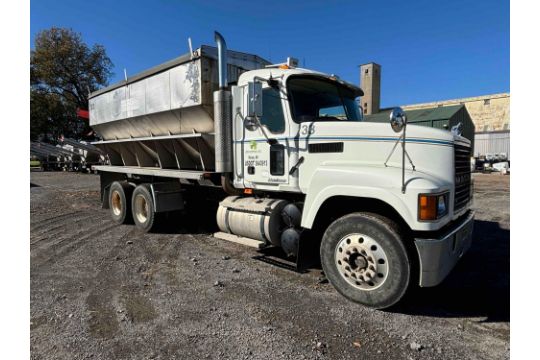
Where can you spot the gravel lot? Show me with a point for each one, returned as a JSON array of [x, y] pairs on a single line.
[[102, 291]]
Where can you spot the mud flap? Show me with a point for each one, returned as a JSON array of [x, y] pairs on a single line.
[[105, 180], [307, 256], [308, 253]]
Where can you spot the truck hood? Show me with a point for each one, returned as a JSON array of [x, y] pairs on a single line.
[[369, 129], [364, 143]]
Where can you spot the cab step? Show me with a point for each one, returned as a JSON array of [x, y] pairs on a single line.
[[257, 244]]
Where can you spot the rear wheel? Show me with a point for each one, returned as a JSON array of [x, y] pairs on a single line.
[[364, 258], [119, 202], [143, 209]]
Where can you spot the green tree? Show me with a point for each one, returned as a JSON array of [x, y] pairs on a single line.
[[51, 116], [63, 71]]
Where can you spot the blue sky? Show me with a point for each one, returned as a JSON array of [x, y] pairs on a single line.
[[429, 50]]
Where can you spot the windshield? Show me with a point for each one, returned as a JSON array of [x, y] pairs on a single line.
[[316, 99]]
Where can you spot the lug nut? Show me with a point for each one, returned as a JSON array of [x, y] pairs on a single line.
[[368, 276]]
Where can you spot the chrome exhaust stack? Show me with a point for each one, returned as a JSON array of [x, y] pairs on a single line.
[[222, 112], [222, 59]]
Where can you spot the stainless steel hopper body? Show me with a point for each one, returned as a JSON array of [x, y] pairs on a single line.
[[163, 117]]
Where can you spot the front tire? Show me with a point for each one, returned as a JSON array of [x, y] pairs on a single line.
[[143, 208], [364, 258]]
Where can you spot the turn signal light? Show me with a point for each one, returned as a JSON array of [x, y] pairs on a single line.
[[427, 207], [432, 207]]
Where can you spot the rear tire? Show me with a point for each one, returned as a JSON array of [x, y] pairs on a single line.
[[143, 209], [120, 202], [364, 258]]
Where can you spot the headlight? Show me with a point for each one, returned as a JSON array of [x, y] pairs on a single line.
[[432, 207]]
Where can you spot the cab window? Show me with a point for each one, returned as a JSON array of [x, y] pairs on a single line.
[[273, 111], [319, 99]]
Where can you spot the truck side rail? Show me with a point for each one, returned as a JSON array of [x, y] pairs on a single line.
[[169, 173]]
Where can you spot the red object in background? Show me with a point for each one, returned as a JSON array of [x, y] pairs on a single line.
[[83, 114]]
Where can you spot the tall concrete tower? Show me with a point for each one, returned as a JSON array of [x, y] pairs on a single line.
[[370, 81]]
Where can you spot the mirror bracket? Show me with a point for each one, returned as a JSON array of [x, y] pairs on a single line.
[[255, 108], [398, 122]]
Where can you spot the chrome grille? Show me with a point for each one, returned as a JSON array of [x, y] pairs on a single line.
[[462, 163]]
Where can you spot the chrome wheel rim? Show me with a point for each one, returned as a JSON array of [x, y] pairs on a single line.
[[116, 203], [141, 209], [361, 261]]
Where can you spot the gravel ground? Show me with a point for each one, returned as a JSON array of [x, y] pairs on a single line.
[[102, 291]]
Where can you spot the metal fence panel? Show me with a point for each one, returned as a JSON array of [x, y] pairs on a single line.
[[492, 143]]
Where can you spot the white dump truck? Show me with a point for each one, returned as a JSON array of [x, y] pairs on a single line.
[[291, 164]]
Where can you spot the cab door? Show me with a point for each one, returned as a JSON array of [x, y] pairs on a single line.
[[266, 162]]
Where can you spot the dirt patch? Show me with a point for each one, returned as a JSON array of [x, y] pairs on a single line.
[[37, 321], [104, 291], [103, 322], [138, 308]]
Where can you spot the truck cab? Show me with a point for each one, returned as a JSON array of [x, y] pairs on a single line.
[[309, 124], [299, 131]]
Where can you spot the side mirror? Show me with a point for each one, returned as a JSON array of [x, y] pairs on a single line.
[[398, 119], [255, 108]]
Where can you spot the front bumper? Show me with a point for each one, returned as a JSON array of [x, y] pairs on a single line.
[[438, 256]]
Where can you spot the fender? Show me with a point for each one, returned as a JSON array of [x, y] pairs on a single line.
[[372, 181]]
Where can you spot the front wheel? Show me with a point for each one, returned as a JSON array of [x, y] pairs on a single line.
[[364, 258]]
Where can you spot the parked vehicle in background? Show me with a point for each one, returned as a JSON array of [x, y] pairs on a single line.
[[503, 167], [490, 163], [89, 154], [35, 163], [286, 154], [68, 155]]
